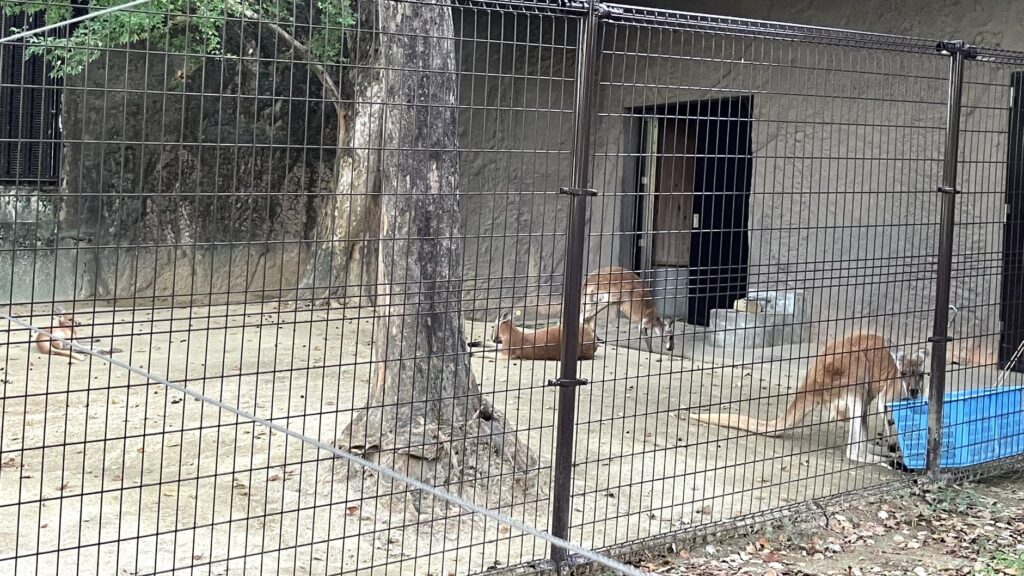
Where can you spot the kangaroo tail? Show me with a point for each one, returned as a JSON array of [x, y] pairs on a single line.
[[795, 413]]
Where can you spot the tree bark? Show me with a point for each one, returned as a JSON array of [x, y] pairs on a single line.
[[342, 262], [425, 414]]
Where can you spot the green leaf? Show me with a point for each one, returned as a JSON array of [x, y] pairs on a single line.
[[190, 27]]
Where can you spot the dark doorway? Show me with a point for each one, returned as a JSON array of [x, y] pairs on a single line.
[[695, 198], [29, 109], [1011, 309]]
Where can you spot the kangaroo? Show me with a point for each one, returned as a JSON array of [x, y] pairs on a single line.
[[847, 376], [615, 286], [542, 344], [63, 325]]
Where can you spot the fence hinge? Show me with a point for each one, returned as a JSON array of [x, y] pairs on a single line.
[[947, 190], [950, 47], [577, 191], [564, 382]]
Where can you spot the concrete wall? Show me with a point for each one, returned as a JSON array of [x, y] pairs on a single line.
[[515, 137], [847, 150], [845, 159]]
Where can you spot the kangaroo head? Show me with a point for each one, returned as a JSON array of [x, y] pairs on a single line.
[[502, 326], [62, 321], [912, 371], [663, 329], [63, 318]]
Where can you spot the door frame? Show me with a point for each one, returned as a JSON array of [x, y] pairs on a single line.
[[650, 133]]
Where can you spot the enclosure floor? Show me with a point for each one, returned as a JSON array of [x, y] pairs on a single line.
[[93, 458]]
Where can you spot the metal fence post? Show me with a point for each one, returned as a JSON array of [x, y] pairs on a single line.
[[958, 51], [578, 193]]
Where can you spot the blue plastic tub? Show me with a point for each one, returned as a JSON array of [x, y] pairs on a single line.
[[977, 426]]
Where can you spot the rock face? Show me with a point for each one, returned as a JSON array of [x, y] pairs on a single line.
[[846, 145], [198, 181]]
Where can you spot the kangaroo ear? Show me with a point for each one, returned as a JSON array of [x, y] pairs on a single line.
[[920, 355], [603, 297], [900, 356], [505, 317], [58, 309]]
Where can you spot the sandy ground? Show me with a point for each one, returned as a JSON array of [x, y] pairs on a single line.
[[102, 472]]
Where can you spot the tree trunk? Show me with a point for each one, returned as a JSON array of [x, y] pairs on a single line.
[[343, 263], [425, 414]]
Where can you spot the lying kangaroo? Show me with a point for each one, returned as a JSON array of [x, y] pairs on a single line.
[[64, 325], [848, 375], [615, 286], [542, 344]]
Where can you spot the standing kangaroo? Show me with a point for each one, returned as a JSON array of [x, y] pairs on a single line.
[[847, 376], [615, 286], [63, 325], [542, 344]]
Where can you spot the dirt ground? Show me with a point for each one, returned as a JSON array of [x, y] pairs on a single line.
[[102, 472], [922, 531]]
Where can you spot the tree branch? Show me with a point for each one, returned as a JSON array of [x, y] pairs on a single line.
[[301, 50]]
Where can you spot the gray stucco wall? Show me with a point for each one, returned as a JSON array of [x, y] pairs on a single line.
[[846, 156], [515, 137]]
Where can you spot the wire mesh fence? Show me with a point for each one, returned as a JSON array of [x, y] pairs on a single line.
[[515, 250]]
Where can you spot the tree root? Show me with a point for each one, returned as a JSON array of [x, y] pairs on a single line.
[[481, 459]]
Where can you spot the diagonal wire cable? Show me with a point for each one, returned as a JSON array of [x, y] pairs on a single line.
[[75, 20], [383, 470]]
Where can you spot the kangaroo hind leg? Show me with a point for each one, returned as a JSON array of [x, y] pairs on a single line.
[[858, 447]]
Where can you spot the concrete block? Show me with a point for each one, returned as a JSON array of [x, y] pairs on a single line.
[[749, 305], [733, 328], [780, 301], [779, 322]]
